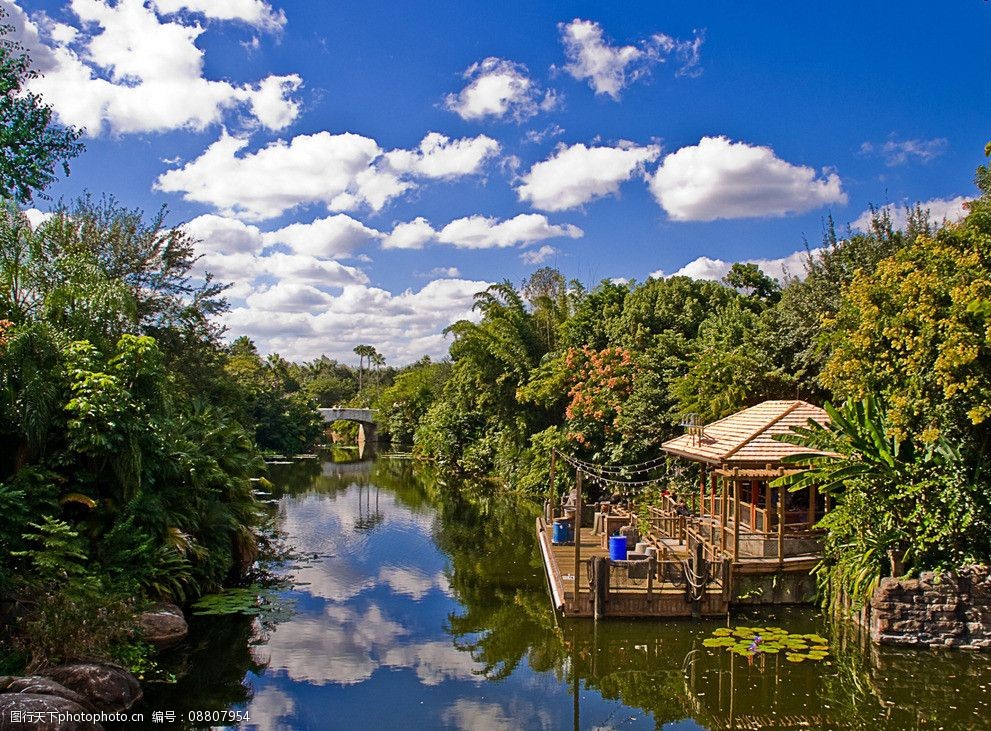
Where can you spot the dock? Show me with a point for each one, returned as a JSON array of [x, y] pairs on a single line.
[[661, 587]]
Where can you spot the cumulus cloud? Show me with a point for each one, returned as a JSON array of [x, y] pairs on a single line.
[[123, 67], [499, 88], [253, 12], [578, 174], [704, 267], [609, 69], [479, 232], [330, 237], [941, 210], [539, 256], [441, 157], [340, 171], [897, 152], [249, 268], [36, 217], [404, 326], [221, 235], [718, 178]]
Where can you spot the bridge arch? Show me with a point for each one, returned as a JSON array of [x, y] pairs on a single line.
[[365, 418]]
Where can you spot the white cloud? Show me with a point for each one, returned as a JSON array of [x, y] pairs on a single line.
[[446, 272], [940, 210], [578, 174], [480, 232], [539, 256], [718, 178], [246, 267], [704, 267], [403, 326], [36, 217], [497, 88], [441, 157], [900, 152], [289, 297], [333, 236], [413, 234], [340, 171], [547, 133], [220, 235], [609, 69], [126, 69], [253, 12]]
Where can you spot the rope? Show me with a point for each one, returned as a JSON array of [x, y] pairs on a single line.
[[637, 468]]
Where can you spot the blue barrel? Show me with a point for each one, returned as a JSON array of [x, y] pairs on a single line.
[[617, 548], [562, 531]]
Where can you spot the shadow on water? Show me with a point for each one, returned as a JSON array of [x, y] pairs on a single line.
[[426, 606]]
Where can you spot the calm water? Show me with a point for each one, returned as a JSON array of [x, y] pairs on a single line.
[[423, 606]]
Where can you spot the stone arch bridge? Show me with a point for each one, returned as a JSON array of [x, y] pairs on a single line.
[[365, 419]]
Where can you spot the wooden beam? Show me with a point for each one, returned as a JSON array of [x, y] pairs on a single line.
[[812, 504], [781, 527]]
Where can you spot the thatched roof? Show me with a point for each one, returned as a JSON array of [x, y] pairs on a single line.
[[745, 438]]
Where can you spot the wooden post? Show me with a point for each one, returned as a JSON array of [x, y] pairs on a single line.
[[736, 514], [812, 504], [651, 570], [767, 506], [781, 527], [698, 509], [723, 516], [600, 585], [578, 534]]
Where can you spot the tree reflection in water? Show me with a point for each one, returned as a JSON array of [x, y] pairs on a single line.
[[504, 622]]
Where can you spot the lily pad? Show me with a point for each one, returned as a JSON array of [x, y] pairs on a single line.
[[750, 641]]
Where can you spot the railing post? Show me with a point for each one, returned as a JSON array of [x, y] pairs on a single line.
[[600, 585], [651, 570]]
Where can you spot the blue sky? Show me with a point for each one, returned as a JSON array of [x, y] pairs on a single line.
[[358, 170]]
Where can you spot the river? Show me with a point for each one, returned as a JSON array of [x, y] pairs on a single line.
[[416, 605]]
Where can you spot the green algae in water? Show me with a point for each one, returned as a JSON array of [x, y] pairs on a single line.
[[796, 647]]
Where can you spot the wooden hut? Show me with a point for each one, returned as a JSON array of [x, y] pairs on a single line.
[[737, 511]]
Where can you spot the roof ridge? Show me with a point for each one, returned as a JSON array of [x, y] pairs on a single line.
[[794, 405]]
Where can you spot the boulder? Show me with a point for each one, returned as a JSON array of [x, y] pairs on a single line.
[[163, 625], [108, 687], [34, 711], [38, 685]]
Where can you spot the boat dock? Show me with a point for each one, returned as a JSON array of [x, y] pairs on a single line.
[[652, 587]]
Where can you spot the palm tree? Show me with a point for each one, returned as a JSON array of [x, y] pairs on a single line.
[[363, 351]]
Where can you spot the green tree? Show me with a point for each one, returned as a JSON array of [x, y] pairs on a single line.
[[32, 146], [915, 331]]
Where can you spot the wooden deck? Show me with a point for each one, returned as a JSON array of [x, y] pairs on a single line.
[[639, 596]]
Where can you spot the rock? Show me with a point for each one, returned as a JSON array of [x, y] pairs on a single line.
[[108, 687], [35, 713], [163, 625], [39, 685]]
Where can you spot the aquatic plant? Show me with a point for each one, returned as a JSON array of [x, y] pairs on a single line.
[[750, 641]]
